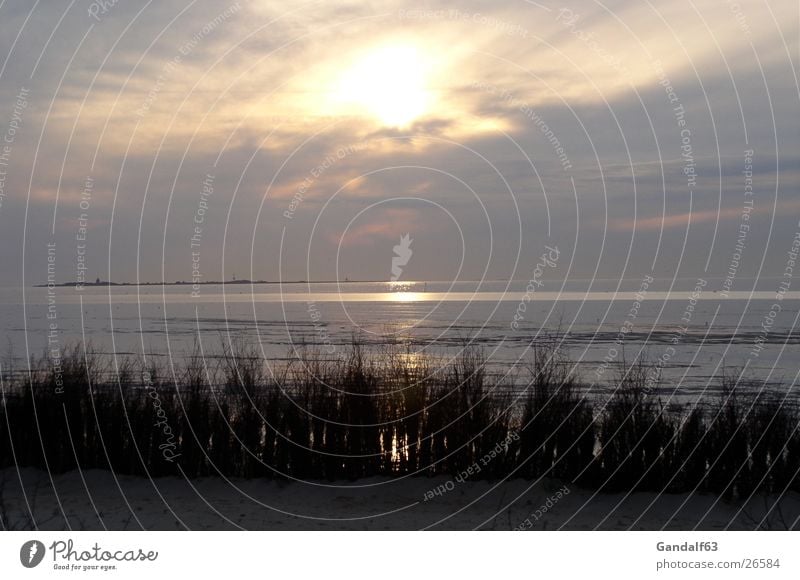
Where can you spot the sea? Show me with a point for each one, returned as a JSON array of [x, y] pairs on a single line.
[[691, 330]]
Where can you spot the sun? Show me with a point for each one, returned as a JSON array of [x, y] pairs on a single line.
[[389, 83]]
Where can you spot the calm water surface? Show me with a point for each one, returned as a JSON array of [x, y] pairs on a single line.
[[695, 334]]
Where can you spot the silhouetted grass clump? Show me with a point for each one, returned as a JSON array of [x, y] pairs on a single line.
[[557, 427], [636, 435], [392, 413]]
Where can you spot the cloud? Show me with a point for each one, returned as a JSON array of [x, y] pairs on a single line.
[[387, 224], [150, 100], [695, 218]]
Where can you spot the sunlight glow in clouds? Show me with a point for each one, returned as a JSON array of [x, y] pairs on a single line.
[[275, 91], [388, 83]]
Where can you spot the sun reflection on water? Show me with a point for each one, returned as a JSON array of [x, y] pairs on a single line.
[[406, 296], [404, 291]]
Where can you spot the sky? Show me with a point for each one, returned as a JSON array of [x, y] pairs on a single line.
[[302, 140]]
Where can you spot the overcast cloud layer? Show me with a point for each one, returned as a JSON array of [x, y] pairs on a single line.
[[622, 132]]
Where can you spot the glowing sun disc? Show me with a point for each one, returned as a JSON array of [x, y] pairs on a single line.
[[389, 83]]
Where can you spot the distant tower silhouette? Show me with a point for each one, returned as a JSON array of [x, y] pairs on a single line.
[[97, 281]]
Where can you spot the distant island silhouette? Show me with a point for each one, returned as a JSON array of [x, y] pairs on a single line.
[[207, 283]]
